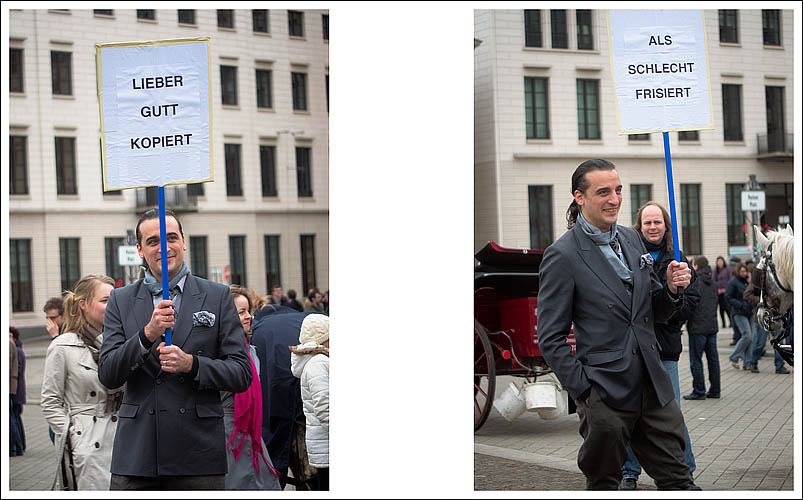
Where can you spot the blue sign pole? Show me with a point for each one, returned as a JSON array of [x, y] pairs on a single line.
[[671, 184], [163, 241]]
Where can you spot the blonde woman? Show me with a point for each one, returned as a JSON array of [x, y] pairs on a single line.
[[79, 409]]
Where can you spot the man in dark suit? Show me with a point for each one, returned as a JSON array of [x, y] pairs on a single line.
[[599, 277], [170, 434]]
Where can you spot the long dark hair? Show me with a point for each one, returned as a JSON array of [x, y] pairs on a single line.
[[580, 183], [667, 223]]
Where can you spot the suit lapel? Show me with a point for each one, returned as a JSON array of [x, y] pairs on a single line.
[[632, 252], [192, 298], [593, 258]]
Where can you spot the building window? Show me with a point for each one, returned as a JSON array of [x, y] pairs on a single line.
[[228, 85], [108, 13], [532, 29], [735, 215], [69, 252], [690, 213], [776, 130], [585, 39], [225, 18], [588, 109], [308, 261], [237, 259], [299, 91], [540, 198], [21, 282], [560, 37], [198, 262], [304, 171], [65, 166], [61, 71], [233, 184], [536, 107], [638, 137], [186, 16], [325, 26], [272, 263], [264, 97], [732, 111], [689, 135], [16, 81], [260, 20], [267, 161], [19, 164], [639, 195], [147, 14], [113, 268], [295, 23], [728, 26], [771, 24], [195, 189]]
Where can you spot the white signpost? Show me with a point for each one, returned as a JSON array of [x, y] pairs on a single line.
[[659, 64], [753, 201], [127, 255], [155, 118]]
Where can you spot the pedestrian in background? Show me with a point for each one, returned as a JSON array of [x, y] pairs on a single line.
[[310, 362], [722, 273], [292, 302], [741, 311], [13, 374], [17, 443], [737, 334], [703, 327], [54, 314], [80, 410], [242, 418], [652, 223]]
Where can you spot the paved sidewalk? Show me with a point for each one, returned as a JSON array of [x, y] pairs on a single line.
[[742, 441]]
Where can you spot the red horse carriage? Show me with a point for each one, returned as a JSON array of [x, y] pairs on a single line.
[[505, 322]]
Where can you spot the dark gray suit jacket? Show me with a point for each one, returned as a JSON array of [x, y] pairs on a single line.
[[616, 345], [170, 424]]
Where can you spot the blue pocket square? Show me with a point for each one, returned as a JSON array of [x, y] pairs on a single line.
[[646, 260], [204, 318]]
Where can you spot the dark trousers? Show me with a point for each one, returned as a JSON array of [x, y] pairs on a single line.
[[214, 482], [724, 310], [699, 344], [656, 434], [17, 442]]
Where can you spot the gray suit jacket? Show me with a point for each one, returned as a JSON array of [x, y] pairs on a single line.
[[170, 424], [616, 346]]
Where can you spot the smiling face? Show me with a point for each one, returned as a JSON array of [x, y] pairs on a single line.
[[95, 307], [652, 224], [241, 303], [149, 247], [601, 202]]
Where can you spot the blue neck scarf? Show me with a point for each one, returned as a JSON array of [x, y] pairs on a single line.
[[603, 241], [155, 287]]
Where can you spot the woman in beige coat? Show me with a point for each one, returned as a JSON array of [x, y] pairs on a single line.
[[80, 410]]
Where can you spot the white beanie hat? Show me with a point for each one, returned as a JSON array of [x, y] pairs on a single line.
[[315, 328]]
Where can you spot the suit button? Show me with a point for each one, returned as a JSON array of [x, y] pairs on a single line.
[[181, 380], [114, 418], [150, 412], [198, 353], [181, 410], [646, 320], [93, 394], [158, 382], [97, 445]]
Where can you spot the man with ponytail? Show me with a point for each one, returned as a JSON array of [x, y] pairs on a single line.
[[598, 279], [171, 432]]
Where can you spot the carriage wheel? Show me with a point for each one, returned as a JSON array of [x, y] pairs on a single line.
[[484, 376]]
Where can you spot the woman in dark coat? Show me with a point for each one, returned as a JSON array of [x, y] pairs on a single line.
[[18, 436], [722, 274], [703, 328]]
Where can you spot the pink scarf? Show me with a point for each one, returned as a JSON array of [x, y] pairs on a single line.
[[248, 420]]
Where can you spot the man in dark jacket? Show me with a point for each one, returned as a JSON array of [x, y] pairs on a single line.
[[653, 224], [703, 328], [741, 311]]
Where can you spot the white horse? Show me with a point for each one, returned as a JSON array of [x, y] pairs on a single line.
[[777, 276]]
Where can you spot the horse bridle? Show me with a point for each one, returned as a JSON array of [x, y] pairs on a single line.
[[775, 316], [771, 266]]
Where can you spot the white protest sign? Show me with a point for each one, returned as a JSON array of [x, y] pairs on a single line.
[[155, 112], [660, 70]]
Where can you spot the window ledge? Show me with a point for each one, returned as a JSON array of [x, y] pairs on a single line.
[[306, 199], [20, 197], [262, 33], [300, 38], [104, 16], [539, 141], [59, 11], [266, 110], [64, 97], [730, 44], [301, 112], [16, 94], [689, 143], [237, 197], [224, 28], [149, 21], [274, 197], [774, 47], [734, 143], [589, 141], [231, 106], [66, 197], [572, 51], [185, 25]]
